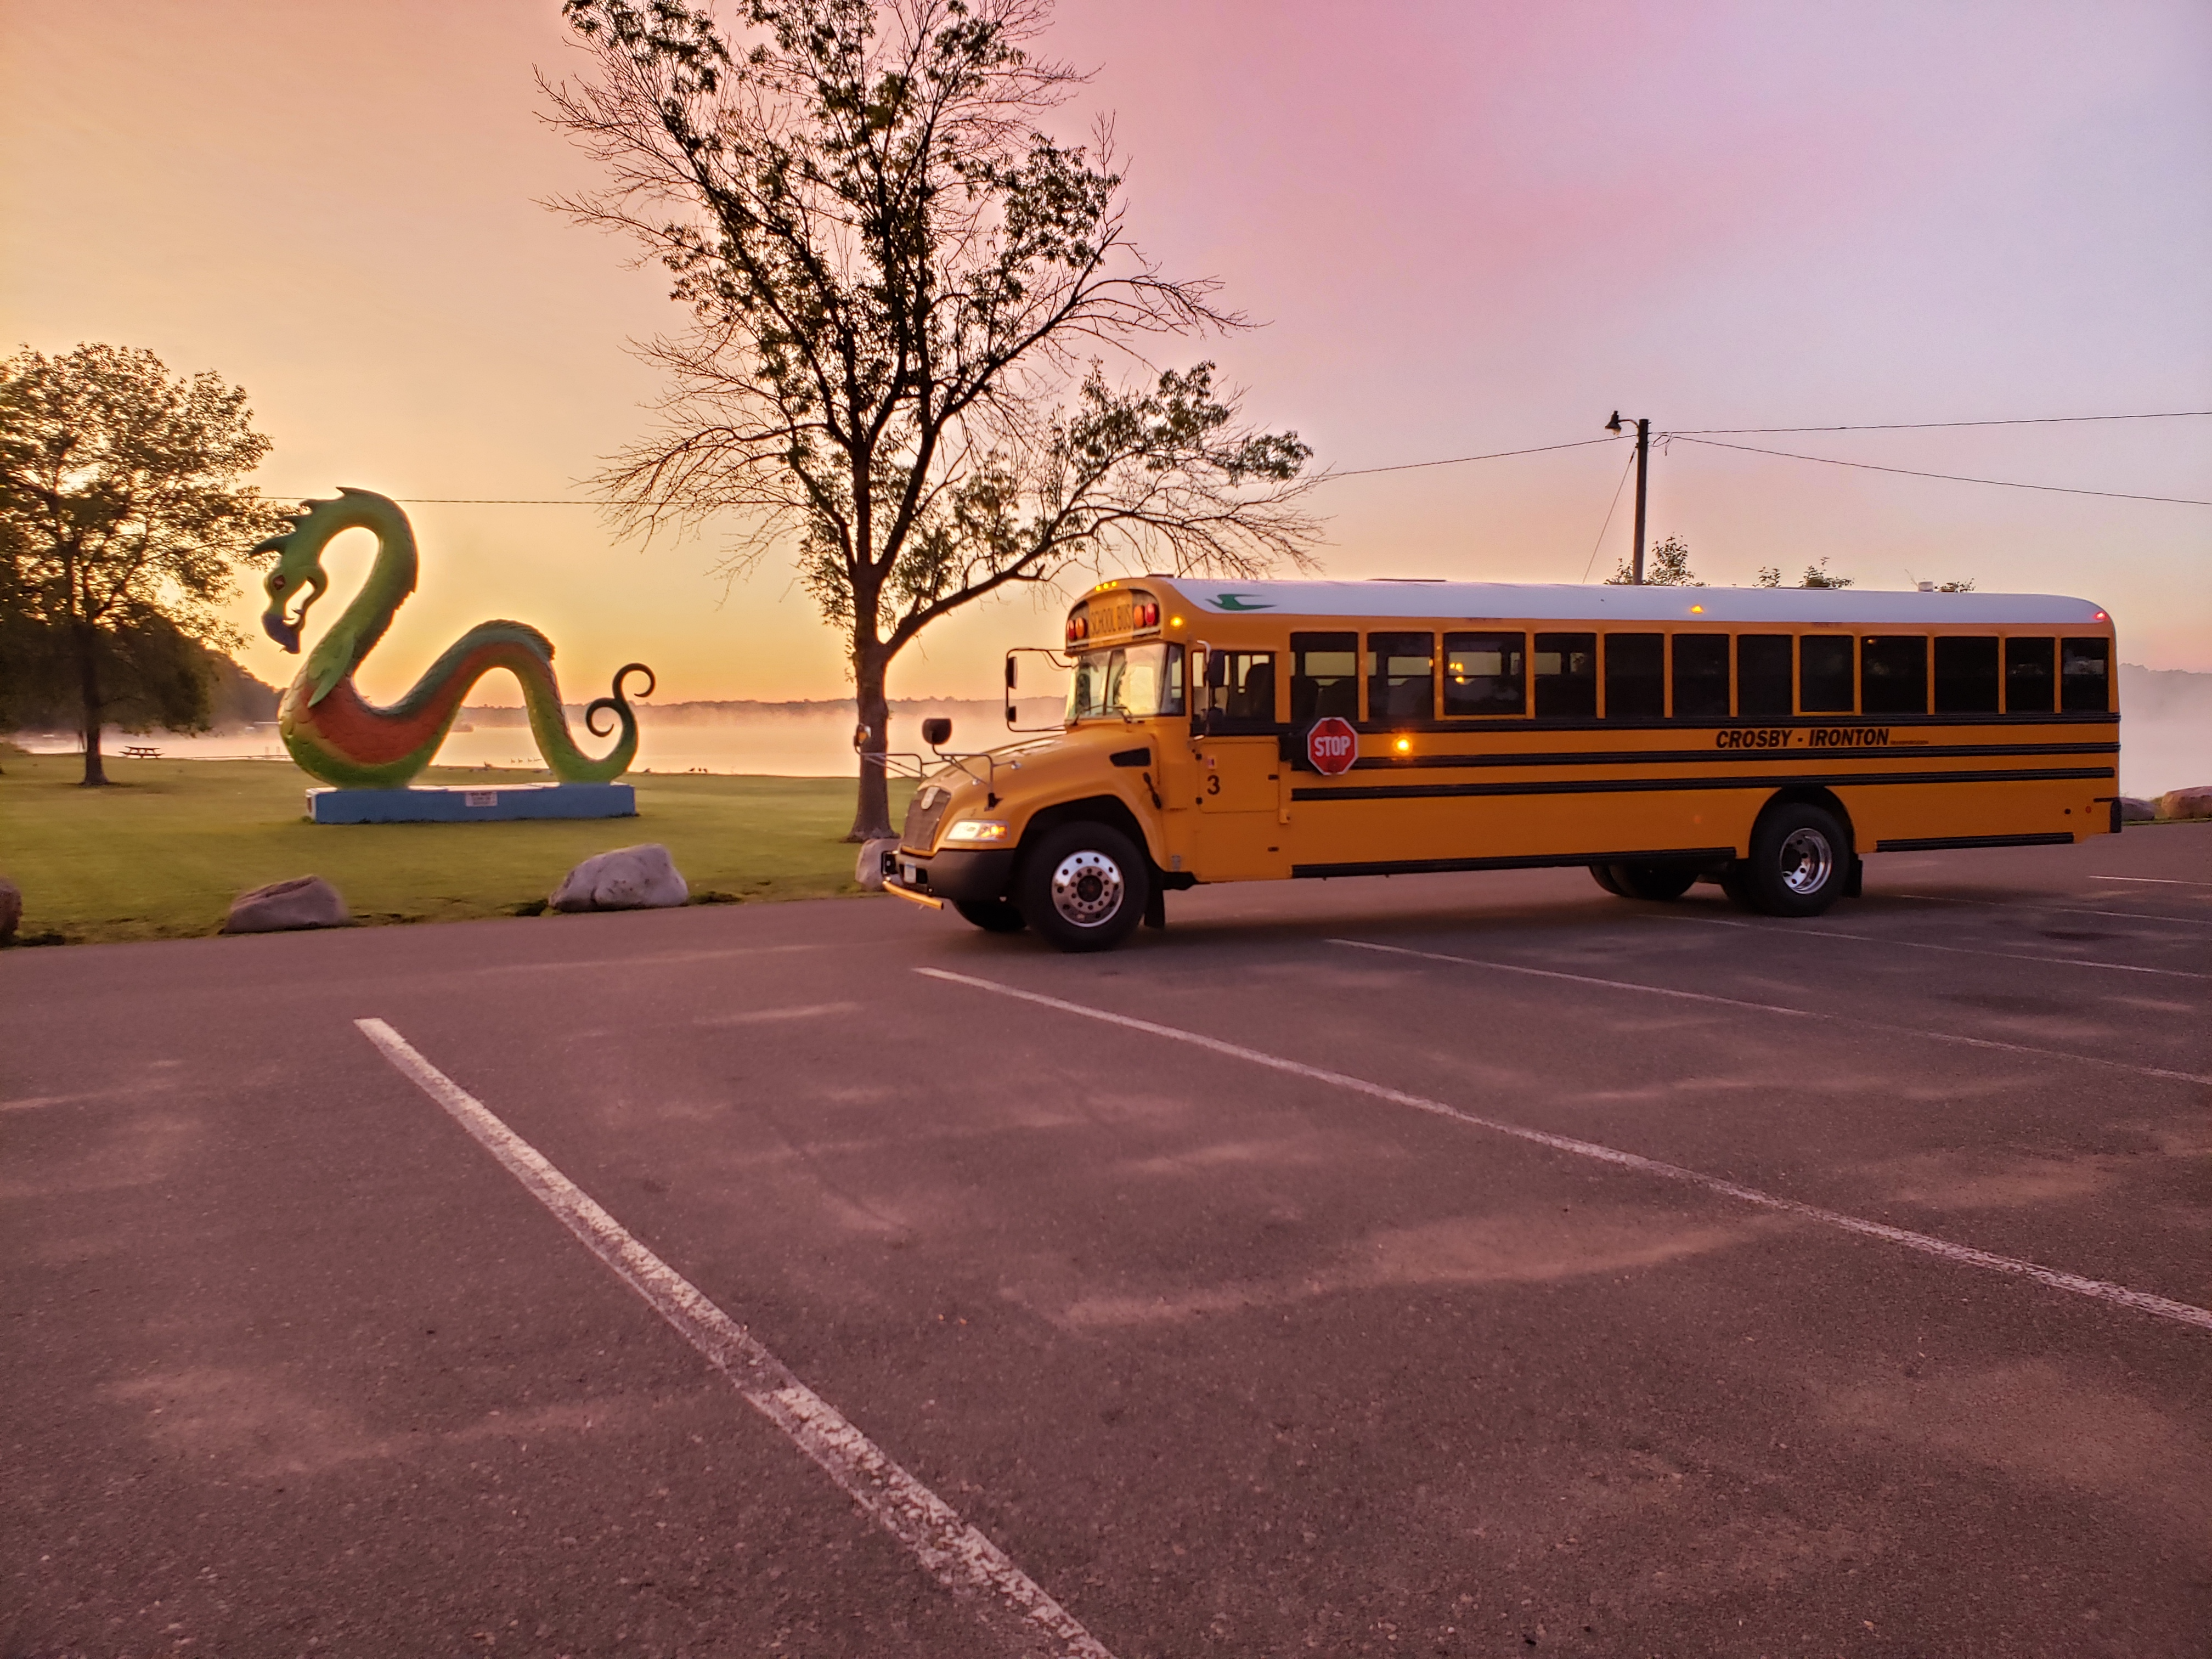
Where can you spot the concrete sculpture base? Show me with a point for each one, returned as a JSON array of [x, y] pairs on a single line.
[[497, 803]]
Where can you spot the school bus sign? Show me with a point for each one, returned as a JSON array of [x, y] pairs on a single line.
[[1331, 745]]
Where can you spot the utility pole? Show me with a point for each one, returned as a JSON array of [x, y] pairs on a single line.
[[1642, 467]]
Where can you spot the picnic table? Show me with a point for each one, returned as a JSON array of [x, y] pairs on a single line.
[[140, 751]]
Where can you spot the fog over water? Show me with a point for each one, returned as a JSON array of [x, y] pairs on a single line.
[[2166, 735]]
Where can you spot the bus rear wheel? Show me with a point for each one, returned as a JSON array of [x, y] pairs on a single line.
[[1660, 881], [992, 915], [1799, 862], [1084, 886]]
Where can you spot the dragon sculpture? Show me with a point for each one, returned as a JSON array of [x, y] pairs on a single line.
[[336, 735]]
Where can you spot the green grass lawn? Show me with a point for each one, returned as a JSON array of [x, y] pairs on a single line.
[[162, 851]]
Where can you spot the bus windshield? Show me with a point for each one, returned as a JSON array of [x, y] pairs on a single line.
[[1139, 681]]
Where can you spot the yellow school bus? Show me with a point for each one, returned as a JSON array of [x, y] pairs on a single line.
[[1770, 738]]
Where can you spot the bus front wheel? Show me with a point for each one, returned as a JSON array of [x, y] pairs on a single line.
[[1084, 886], [1799, 862]]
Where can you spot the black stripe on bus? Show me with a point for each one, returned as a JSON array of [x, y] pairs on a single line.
[[1937, 843], [1716, 723], [1540, 861], [1640, 786], [1694, 756]]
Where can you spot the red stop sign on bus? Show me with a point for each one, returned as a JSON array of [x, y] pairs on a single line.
[[1331, 745]]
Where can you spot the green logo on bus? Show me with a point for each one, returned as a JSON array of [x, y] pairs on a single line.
[[1238, 602]]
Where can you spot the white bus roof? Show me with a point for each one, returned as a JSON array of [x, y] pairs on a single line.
[[1603, 603]]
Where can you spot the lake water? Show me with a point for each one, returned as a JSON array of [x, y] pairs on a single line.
[[2166, 736]]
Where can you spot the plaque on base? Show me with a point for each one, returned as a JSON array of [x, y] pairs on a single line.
[[502, 803]]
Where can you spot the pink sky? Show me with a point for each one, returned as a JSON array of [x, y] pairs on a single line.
[[1467, 227]]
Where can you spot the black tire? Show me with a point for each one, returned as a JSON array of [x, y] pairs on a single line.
[[992, 915], [1659, 881], [1799, 862], [1083, 886], [1602, 875]]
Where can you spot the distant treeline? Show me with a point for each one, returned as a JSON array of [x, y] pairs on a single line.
[[702, 714], [179, 685]]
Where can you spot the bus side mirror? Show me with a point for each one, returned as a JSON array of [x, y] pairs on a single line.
[[1010, 671], [860, 736], [936, 732]]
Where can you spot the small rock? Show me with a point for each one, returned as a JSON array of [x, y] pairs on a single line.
[[284, 906], [628, 879], [2192, 803], [869, 869], [2133, 809], [11, 908]]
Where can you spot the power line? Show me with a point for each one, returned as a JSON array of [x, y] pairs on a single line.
[[1607, 524], [1952, 478], [1687, 434], [1932, 426], [1455, 460]]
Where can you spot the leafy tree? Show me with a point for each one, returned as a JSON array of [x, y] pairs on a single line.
[[123, 519], [900, 294], [1668, 565]]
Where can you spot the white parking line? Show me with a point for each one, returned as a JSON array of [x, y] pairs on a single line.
[[2154, 881], [2182, 1313], [1798, 930], [1852, 1021], [954, 1553], [2059, 909]]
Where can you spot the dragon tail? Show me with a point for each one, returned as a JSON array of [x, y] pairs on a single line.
[[549, 725]]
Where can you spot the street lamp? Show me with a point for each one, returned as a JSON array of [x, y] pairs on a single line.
[[1643, 462]]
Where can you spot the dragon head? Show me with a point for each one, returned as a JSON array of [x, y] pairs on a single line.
[[297, 580]]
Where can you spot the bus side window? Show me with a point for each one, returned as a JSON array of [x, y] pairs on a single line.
[[1824, 674], [1324, 677], [1566, 676], [1240, 691], [1402, 674], [1484, 674], [1701, 676], [2029, 686], [1893, 674], [1762, 677], [1635, 677], [2085, 676], [1966, 676]]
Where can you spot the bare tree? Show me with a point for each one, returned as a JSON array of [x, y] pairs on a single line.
[[123, 519], [902, 297]]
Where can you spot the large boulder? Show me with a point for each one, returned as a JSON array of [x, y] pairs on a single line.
[[2193, 803], [2133, 809], [628, 879], [869, 868], [285, 906], [11, 908]]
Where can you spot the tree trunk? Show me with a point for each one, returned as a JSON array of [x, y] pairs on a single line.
[[87, 678], [871, 814]]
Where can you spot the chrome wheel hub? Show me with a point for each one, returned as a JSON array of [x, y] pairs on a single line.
[[1808, 861], [1086, 889]]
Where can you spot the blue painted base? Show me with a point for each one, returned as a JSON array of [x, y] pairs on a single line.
[[501, 803]]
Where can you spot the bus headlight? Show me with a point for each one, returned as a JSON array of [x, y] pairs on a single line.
[[974, 829]]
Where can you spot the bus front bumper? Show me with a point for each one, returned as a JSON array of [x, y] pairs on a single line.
[[961, 876]]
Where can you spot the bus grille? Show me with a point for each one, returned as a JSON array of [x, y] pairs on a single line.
[[921, 816]]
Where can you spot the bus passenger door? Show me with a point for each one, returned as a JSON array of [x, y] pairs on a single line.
[[1236, 778]]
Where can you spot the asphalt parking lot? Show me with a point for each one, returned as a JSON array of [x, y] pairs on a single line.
[[1455, 1265]]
